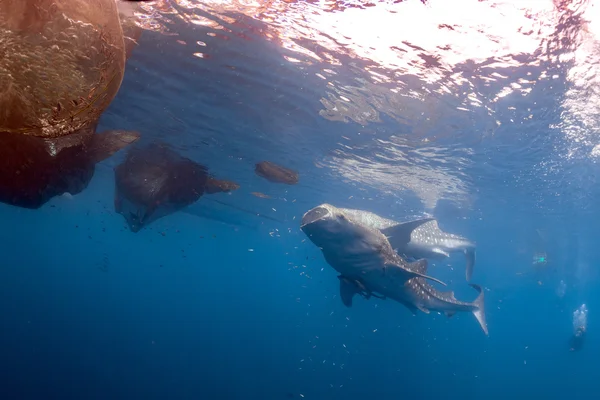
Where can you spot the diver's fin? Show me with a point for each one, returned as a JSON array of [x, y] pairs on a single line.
[[419, 268], [470, 256], [105, 144], [347, 290], [479, 308], [399, 235]]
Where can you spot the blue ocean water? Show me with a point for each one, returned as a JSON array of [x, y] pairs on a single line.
[[229, 300]]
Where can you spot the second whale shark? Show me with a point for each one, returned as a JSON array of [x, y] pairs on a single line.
[[421, 238], [354, 246]]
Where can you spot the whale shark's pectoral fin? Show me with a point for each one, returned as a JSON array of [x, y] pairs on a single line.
[[439, 251], [399, 235], [422, 308], [411, 307], [348, 288], [431, 278], [105, 144], [418, 269]]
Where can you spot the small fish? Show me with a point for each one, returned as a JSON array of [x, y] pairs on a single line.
[[276, 173], [261, 195]]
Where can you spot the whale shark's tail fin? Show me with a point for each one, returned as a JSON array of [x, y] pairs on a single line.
[[470, 256], [479, 308]]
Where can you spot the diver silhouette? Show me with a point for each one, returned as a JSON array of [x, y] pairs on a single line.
[[579, 328]]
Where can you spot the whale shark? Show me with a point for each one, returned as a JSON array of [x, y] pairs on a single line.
[[368, 266], [155, 181], [421, 238]]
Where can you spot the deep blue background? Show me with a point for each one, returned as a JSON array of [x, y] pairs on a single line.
[[184, 310]]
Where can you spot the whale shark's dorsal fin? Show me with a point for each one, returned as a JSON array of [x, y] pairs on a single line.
[[399, 235], [419, 266], [447, 295]]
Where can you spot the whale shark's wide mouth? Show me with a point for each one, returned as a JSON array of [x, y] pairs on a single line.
[[314, 215]]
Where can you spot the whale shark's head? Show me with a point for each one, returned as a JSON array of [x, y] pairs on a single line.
[[331, 229], [324, 222]]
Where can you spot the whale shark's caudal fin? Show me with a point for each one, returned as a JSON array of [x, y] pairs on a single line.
[[479, 311], [399, 235], [470, 256]]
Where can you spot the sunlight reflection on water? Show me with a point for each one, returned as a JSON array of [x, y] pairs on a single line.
[[451, 79]]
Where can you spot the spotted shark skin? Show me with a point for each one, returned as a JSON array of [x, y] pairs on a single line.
[[354, 246], [420, 238]]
